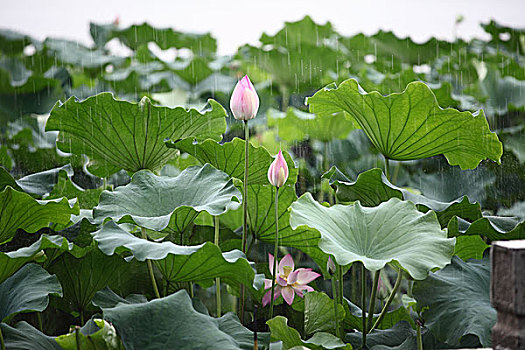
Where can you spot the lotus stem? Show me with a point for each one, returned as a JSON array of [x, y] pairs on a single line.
[[334, 295], [341, 284], [372, 303], [275, 249], [245, 211], [389, 300], [77, 337], [363, 303], [150, 268], [419, 338], [39, 320], [217, 279], [2, 343], [387, 168]]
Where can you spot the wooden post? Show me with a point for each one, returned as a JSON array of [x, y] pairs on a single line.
[[507, 294]]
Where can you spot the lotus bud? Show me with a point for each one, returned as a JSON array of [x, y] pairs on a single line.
[[278, 171], [330, 265], [244, 102]]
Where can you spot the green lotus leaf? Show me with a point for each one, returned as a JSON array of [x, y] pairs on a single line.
[[261, 221], [137, 35], [470, 247], [295, 125], [494, 228], [229, 157], [296, 34], [151, 76], [11, 261], [173, 323], [498, 94], [200, 263], [353, 318], [82, 277], [458, 301], [372, 188], [117, 134], [376, 236], [18, 210], [74, 54], [291, 338], [40, 183], [411, 125], [12, 42], [106, 298], [26, 291], [514, 43], [23, 336], [319, 313], [150, 200], [94, 335]]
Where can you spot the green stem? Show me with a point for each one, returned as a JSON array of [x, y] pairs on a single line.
[[372, 303], [326, 166], [341, 283], [40, 324], [275, 249], [150, 267], [389, 300], [245, 211], [354, 283], [387, 168], [217, 279], [2, 343], [363, 303], [81, 317], [334, 295], [419, 338], [77, 337], [285, 98]]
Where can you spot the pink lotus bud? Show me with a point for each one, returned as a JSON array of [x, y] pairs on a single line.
[[244, 102], [330, 265], [278, 171]]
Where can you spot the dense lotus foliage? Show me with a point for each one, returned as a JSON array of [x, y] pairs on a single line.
[[124, 182]]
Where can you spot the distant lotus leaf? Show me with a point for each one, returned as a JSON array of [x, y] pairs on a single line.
[[295, 125], [378, 235], [117, 134], [411, 125]]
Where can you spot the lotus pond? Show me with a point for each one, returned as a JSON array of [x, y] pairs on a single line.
[[134, 213]]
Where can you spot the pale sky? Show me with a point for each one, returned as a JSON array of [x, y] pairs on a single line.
[[235, 22]]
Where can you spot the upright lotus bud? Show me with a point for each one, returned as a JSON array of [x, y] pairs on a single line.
[[244, 102], [278, 171]]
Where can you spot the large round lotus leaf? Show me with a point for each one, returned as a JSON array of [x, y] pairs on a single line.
[[411, 125], [150, 200], [117, 134], [393, 231]]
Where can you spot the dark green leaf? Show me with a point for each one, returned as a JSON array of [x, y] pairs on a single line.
[[117, 134], [26, 291], [458, 301], [411, 125]]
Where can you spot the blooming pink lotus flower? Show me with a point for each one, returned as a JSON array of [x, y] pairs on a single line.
[[278, 171], [288, 282], [244, 102]]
